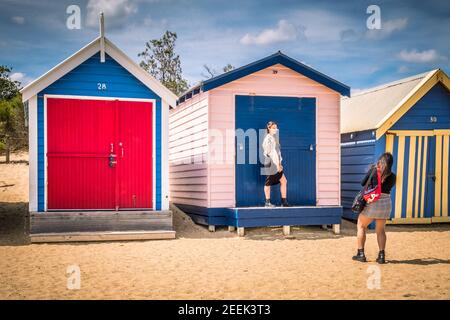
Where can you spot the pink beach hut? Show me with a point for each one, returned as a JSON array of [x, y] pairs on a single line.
[[215, 136]]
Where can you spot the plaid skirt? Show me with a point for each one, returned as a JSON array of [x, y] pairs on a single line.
[[380, 209]]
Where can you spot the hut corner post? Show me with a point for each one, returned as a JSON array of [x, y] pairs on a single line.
[[336, 228]]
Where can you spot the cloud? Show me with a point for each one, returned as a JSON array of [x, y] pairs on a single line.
[[21, 77], [323, 26], [349, 35], [116, 12], [355, 91], [394, 25], [420, 56], [372, 69], [18, 20], [149, 22], [284, 31], [387, 28], [403, 69]]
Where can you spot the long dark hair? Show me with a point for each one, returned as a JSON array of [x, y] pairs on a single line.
[[384, 163], [269, 124]]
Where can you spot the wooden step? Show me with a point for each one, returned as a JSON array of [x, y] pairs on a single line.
[[102, 236], [100, 221]]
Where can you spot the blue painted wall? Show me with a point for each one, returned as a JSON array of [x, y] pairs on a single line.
[[435, 103], [83, 81], [357, 154]]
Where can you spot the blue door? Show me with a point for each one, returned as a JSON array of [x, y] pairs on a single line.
[[296, 119]]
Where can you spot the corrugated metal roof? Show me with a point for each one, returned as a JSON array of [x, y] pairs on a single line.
[[367, 109]]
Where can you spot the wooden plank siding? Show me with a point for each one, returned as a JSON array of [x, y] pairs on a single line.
[[357, 154], [188, 147]]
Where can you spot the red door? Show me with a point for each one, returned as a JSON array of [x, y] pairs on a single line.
[[134, 155], [82, 135]]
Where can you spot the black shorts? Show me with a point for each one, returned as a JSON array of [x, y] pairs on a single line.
[[273, 179]]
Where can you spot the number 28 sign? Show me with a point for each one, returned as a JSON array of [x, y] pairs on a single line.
[[101, 86]]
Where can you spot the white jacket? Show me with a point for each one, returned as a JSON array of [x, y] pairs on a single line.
[[271, 148]]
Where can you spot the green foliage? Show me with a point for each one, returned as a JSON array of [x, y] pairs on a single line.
[[8, 87], [161, 61], [227, 68], [13, 133]]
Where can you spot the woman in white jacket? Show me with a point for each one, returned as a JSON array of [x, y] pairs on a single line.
[[272, 152]]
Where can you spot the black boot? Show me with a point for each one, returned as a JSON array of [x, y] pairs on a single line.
[[268, 204], [284, 203], [381, 257], [360, 256]]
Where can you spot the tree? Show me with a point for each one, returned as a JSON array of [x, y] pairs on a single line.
[[159, 59], [13, 134], [227, 68], [211, 73], [8, 87]]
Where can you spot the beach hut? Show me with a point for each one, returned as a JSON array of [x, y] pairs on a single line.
[[98, 149], [411, 119], [210, 183]]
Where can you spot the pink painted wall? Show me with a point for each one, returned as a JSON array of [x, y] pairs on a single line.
[[188, 150], [285, 83]]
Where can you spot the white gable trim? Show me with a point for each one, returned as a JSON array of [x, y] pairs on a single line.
[[60, 70], [140, 73], [85, 53]]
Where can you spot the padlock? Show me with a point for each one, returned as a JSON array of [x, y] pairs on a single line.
[[112, 160]]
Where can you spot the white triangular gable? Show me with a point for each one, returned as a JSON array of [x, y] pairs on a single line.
[[85, 53]]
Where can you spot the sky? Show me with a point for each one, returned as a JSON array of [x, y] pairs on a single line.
[[330, 36]]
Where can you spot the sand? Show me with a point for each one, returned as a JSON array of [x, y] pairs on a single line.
[[310, 264]]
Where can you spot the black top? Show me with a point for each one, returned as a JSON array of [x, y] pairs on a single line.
[[386, 186]]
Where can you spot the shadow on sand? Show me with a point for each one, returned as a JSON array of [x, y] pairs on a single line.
[[420, 262], [14, 224], [15, 230]]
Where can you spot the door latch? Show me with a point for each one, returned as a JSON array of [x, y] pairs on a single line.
[[121, 147], [112, 160]]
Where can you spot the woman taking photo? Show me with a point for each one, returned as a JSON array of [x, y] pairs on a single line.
[[272, 152], [378, 210]]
